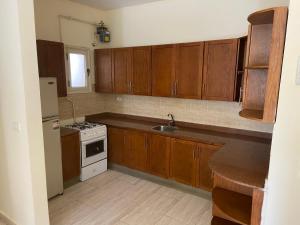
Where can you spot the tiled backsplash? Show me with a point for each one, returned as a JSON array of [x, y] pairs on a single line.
[[195, 111]]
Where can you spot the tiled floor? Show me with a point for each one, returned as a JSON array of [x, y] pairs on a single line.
[[114, 198]]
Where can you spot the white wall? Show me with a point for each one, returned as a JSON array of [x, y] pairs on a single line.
[[283, 202], [23, 195], [172, 21]]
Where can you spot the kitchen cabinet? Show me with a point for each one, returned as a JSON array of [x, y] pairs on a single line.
[[70, 149], [205, 179], [116, 145], [51, 63], [122, 70], [264, 57], [141, 71], [163, 70], [136, 150], [103, 71], [219, 71], [189, 66], [159, 155], [183, 164]]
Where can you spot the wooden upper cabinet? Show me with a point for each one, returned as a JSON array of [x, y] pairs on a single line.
[[183, 165], [122, 70], [264, 63], [163, 70], [189, 66], [103, 71], [159, 155], [51, 63], [141, 71], [205, 179], [219, 73], [116, 144]]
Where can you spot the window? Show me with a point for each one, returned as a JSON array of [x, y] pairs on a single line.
[[78, 72]]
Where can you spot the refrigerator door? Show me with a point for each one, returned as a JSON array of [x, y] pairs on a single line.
[[53, 159], [49, 99]]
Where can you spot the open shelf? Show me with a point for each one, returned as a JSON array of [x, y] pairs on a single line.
[[220, 221], [233, 206], [252, 114]]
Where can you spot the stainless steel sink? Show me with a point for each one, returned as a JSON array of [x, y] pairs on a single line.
[[164, 128]]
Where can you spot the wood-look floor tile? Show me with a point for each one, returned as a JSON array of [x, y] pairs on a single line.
[[150, 211], [170, 221], [189, 209]]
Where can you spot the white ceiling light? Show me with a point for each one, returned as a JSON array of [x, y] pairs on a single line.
[[112, 4]]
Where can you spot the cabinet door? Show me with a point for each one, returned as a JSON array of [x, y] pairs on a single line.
[[159, 155], [163, 70], [141, 74], [122, 70], [103, 71], [51, 62], [136, 150], [189, 66], [219, 73], [205, 174], [116, 145], [70, 148], [183, 166]]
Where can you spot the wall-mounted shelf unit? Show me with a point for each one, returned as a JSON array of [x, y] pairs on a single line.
[[265, 48]]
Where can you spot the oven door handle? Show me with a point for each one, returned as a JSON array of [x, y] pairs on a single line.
[[92, 141]]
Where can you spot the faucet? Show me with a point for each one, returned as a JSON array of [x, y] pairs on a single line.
[[171, 123]]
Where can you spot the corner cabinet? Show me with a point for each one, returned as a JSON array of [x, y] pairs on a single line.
[[220, 68], [51, 63], [263, 64]]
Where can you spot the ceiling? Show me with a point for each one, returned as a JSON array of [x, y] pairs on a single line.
[[112, 4]]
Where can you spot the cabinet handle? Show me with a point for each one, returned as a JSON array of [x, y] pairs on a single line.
[[194, 154], [130, 86], [176, 86], [146, 143]]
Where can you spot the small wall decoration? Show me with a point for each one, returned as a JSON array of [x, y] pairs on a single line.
[[103, 32]]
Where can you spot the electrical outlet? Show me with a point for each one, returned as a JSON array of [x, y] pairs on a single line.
[[298, 72]]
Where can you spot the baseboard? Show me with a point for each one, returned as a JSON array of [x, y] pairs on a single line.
[[4, 219], [161, 181]]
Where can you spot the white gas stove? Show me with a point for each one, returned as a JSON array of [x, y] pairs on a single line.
[[93, 148]]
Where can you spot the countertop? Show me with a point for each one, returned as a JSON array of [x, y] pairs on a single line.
[[243, 157], [67, 131]]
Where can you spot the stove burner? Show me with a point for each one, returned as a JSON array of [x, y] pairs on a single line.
[[83, 125]]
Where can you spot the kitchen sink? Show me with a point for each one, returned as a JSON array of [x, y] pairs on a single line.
[[164, 128]]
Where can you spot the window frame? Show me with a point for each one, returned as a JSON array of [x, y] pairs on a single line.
[[86, 52]]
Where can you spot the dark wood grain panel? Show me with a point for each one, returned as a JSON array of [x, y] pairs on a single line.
[[103, 71], [122, 70], [159, 155], [189, 67], [163, 70], [116, 145], [219, 73], [141, 75]]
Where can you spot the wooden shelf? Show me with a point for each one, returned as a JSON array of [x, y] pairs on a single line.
[[252, 114], [233, 206], [257, 67], [219, 221], [262, 17]]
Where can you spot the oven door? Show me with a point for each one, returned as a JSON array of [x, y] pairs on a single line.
[[93, 151]]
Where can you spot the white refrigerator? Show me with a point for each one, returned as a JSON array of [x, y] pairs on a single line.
[[51, 132]]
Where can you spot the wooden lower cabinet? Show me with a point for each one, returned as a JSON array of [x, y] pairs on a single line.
[[136, 150], [184, 161], [70, 148], [159, 155], [183, 165], [205, 176], [116, 144]]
